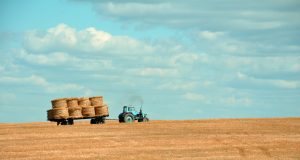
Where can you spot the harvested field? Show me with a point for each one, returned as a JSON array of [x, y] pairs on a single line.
[[193, 139]]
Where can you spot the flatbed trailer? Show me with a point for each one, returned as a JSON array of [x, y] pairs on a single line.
[[70, 120]]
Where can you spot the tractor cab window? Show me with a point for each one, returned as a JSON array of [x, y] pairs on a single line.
[[130, 109]]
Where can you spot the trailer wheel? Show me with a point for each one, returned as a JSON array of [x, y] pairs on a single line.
[[98, 120], [103, 120], [64, 122], [70, 121], [93, 121]]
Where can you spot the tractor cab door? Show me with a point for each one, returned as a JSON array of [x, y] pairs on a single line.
[[125, 109]]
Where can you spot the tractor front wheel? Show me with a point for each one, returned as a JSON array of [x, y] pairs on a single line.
[[128, 118], [146, 119]]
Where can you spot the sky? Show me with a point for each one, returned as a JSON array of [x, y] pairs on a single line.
[[178, 59]]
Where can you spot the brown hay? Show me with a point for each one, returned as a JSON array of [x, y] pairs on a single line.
[[59, 103], [72, 102], [101, 110], [96, 101], [88, 111], [84, 102], [60, 113], [75, 112]]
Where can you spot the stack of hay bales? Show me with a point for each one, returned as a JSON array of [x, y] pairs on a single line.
[[76, 108], [100, 108], [73, 108], [87, 109], [59, 109]]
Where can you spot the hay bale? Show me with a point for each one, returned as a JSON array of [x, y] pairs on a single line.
[[96, 101], [72, 102], [101, 110], [75, 112], [59, 103], [60, 113], [49, 114], [84, 102], [88, 111]]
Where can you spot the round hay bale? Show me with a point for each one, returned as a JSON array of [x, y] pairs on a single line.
[[101, 110], [59, 103], [96, 101], [84, 102], [49, 114], [60, 113], [75, 112], [72, 102], [88, 111]]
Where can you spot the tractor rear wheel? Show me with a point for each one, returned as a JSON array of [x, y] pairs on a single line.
[[128, 118], [121, 118]]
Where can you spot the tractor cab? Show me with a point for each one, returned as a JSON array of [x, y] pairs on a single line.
[[127, 109]]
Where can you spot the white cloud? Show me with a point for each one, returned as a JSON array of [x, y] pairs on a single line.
[[209, 35], [259, 25], [230, 47], [54, 58], [63, 38], [229, 15], [6, 98], [42, 82], [237, 101], [175, 85], [286, 84], [92, 38], [278, 83], [207, 83], [64, 59], [156, 72], [253, 64], [2, 68], [139, 8], [194, 96], [183, 59], [60, 36]]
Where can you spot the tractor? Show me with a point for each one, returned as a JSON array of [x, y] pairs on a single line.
[[129, 115]]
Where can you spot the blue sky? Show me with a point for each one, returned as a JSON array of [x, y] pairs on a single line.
[[183, 59]]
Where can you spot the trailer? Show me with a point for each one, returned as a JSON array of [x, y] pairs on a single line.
[[70, 121]]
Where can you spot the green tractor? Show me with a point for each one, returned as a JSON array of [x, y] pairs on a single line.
[[129, 115]]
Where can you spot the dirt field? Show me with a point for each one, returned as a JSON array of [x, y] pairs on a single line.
[[195, 139]]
